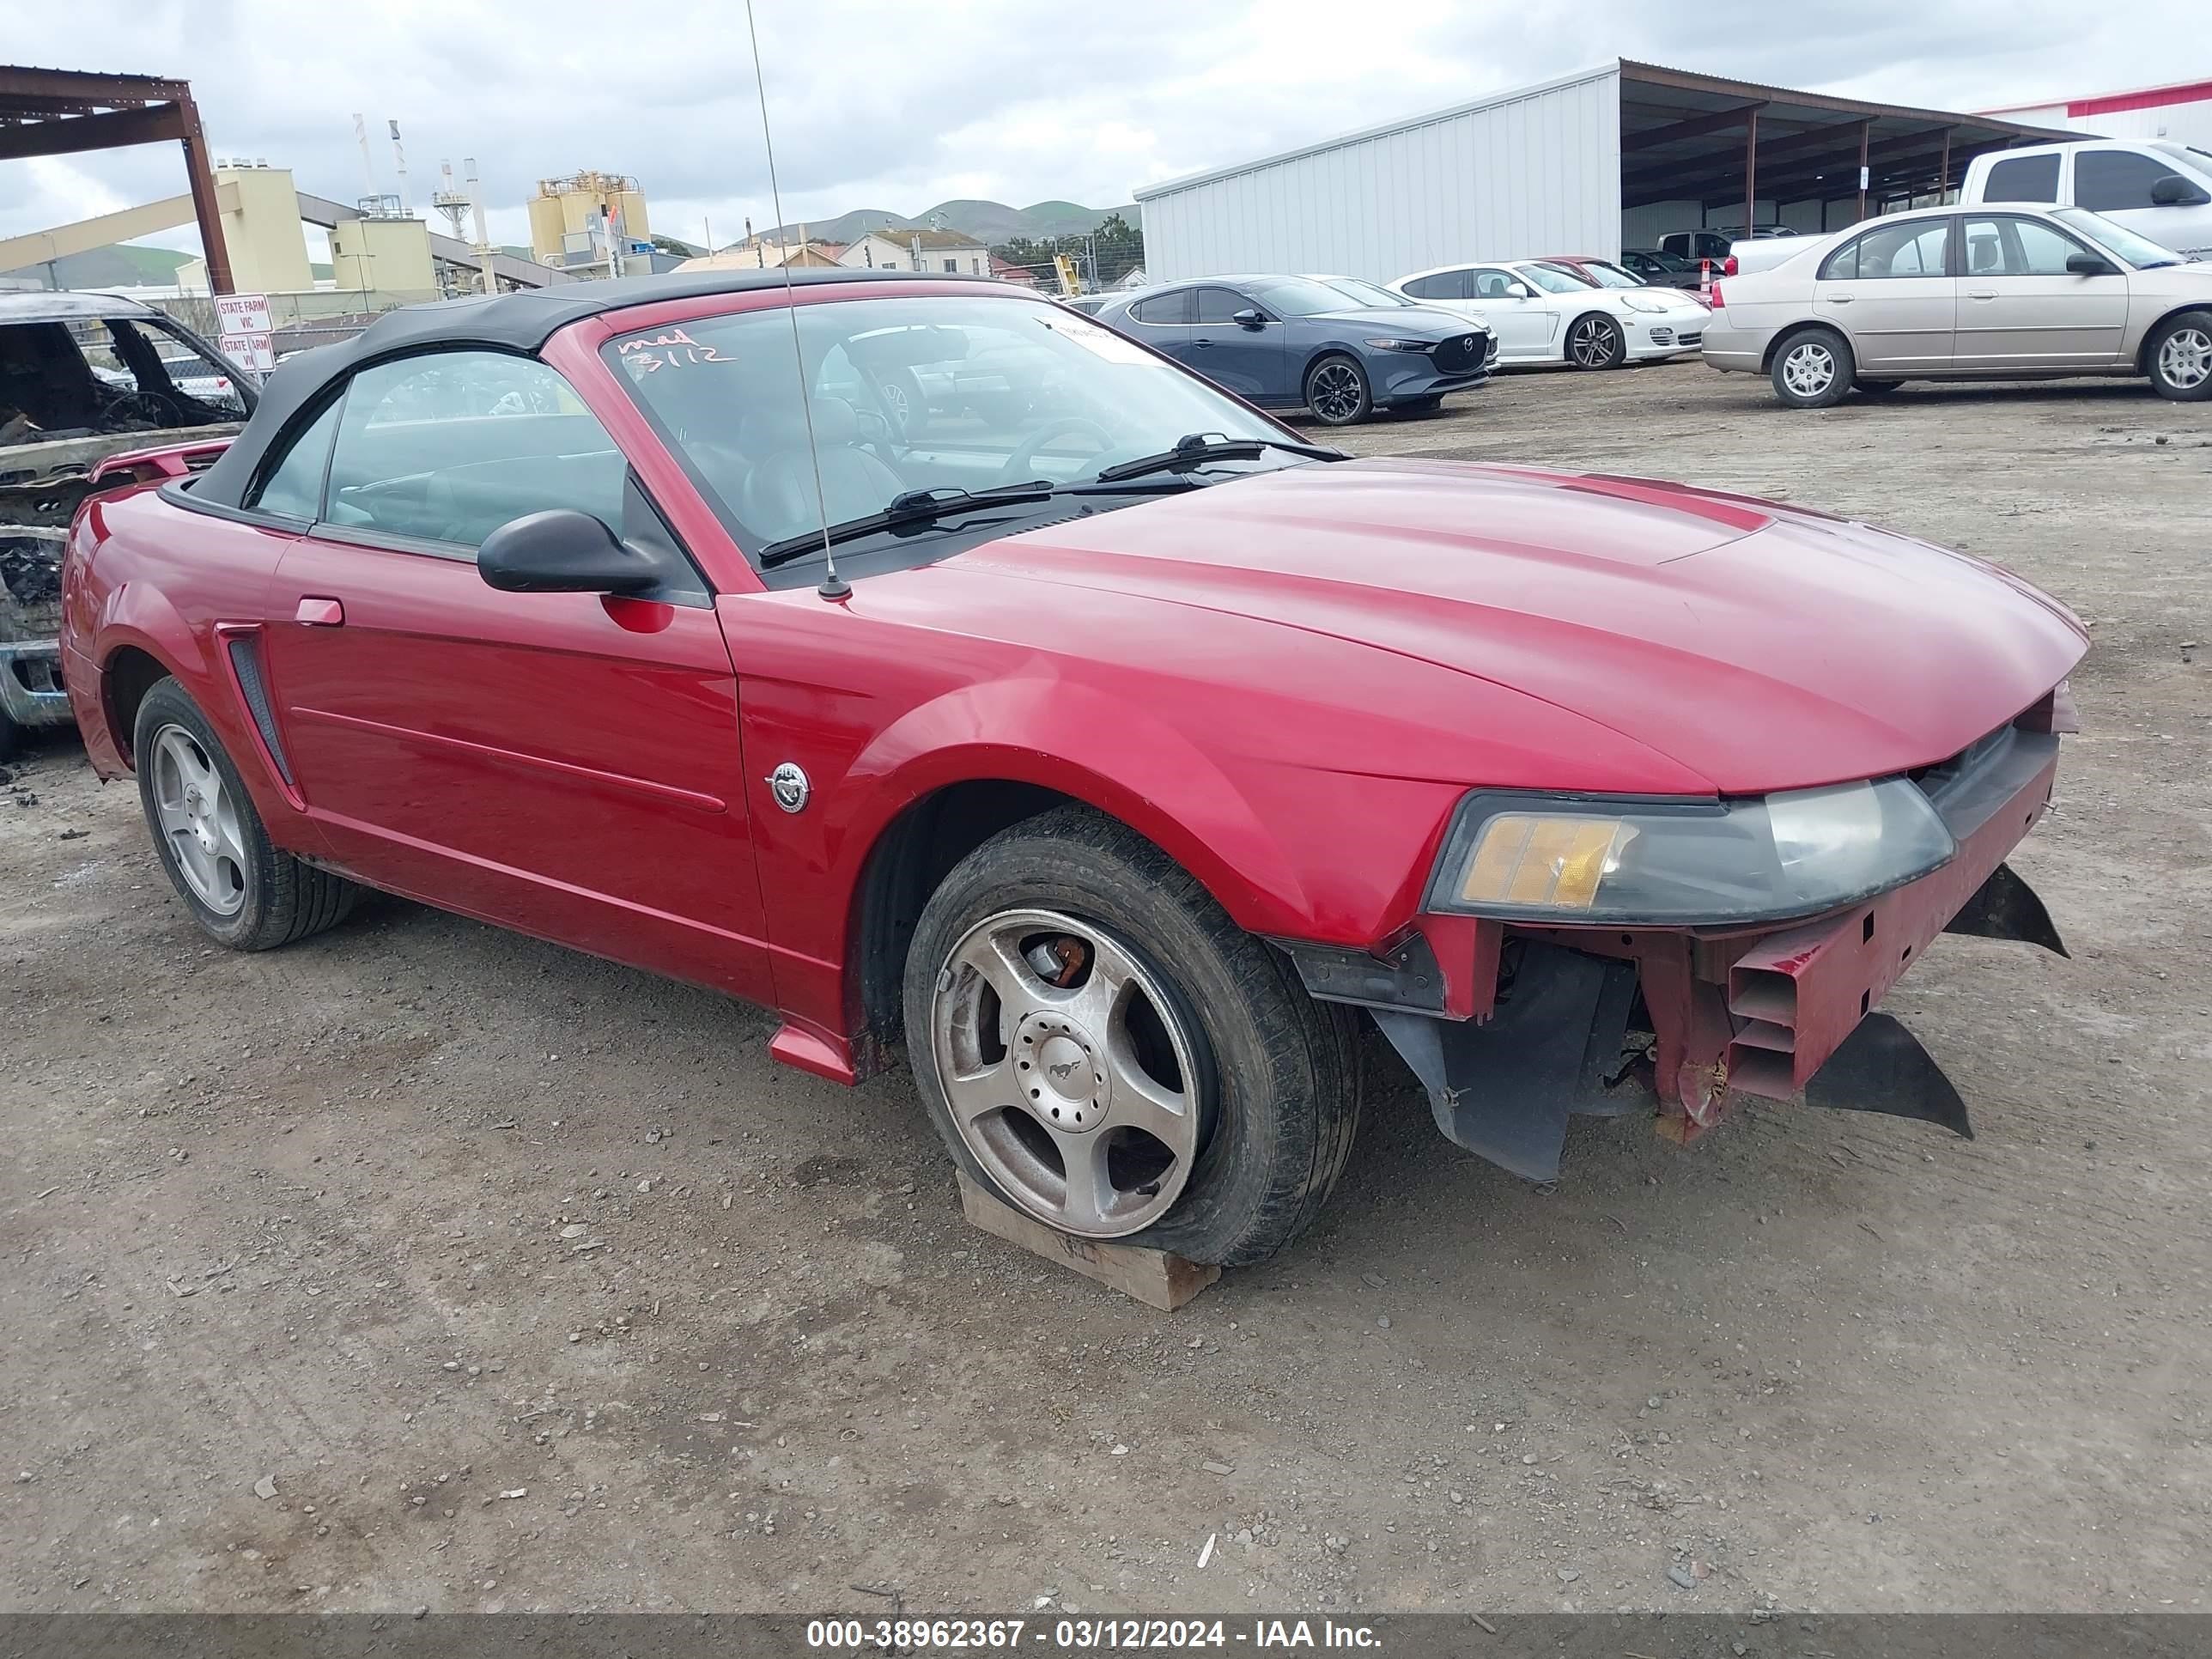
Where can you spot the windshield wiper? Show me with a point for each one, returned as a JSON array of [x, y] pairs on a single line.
[[915, 507], [1196, 448]]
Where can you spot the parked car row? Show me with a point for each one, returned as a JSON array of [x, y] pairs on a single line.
[[1342, 348]]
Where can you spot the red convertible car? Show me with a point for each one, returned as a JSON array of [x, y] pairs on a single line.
[[1134, 750]]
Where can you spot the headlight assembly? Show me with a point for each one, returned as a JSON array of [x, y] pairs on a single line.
[[1666, 863], [1401, 345], [1644, 302]]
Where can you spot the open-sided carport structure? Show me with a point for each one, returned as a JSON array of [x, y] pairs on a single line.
[[47, 112], [1611, 157]]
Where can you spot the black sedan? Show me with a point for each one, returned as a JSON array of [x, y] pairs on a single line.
[[1291, 342]]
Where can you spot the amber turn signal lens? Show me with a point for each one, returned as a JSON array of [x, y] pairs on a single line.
[[1555, 862]]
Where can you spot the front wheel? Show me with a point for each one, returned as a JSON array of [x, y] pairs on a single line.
[[1337, 391], [1102, 1048], [1596, 342], [242, 889], [2180, 357], [1812, 369]]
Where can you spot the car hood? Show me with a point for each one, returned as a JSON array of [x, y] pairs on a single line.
[[1416, 320], [1760, 647]]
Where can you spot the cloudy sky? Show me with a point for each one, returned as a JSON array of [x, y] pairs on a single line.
[[899, 106]]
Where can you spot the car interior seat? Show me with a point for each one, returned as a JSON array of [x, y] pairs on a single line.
[[778, 497]]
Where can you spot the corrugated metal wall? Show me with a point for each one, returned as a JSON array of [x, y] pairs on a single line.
[[1538, 172]]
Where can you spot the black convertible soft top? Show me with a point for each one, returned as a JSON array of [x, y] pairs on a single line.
[[518, 322]]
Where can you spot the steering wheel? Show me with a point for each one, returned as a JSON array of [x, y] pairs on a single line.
[[143, 406], [1021, 466]]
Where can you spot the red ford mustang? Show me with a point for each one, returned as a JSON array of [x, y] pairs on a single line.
[[1133, 746]]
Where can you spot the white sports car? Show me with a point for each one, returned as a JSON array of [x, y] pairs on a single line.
[[1542, 314]]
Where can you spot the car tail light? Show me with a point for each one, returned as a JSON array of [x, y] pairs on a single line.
[[1713, 298], [1727, 266]]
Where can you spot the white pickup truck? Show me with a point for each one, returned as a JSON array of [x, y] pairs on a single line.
[[2155, 188]]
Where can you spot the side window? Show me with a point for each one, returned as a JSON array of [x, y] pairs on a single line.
[[295, 489], [448, 445], [2017, 247], [1843, 264], [2024, 178], [1163, 308], [1914, 248], [1219, 305], [1492, 285], [1440, 285], [2113, 180]]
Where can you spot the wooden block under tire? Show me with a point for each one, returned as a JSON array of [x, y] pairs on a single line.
[[1154, 1277]]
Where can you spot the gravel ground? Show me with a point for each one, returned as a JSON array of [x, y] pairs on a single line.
[[424, 1265]]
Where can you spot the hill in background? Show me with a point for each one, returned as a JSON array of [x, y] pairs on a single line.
[[121, 265], [991, 222]]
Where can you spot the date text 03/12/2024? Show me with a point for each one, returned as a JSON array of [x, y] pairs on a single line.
[[1083, 1635]]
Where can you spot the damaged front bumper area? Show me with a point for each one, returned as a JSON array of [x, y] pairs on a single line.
[[1606, 1021]]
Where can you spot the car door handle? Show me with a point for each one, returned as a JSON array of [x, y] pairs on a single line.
[[1839, 299], [1202, 344], [1982, 294], [320, 613]]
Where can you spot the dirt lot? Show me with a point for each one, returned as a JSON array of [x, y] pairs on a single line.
[[514, 1279]]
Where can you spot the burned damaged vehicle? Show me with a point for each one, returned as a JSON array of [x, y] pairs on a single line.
[[1117, 752], [85, 380]]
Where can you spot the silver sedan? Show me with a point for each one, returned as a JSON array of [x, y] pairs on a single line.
[[2012, 292]]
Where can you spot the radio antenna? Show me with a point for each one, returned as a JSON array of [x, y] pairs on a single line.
[[831, 588]]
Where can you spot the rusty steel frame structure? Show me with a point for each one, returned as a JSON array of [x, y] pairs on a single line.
[[48, 112]]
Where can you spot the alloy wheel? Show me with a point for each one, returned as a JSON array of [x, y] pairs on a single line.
[[199, 821], [1592, 343], [1809, 369], [2184, 358], [1334, 391], [1068, 1071]]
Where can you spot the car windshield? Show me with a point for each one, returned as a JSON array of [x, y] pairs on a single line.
[[1551, 279], [1293, 296], [908, 395], [1370, 294], [2138, 251]]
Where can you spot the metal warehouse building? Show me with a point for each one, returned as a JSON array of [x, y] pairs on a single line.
[[1613, 157], [2181, 113]]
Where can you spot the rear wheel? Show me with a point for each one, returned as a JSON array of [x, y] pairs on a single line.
[[1337, 391], [1812, 369], [1595, 341], [1102, 1048], [2180, 357], [242, 889]]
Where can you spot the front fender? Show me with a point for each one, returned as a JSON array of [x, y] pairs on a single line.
[[1139, 770]]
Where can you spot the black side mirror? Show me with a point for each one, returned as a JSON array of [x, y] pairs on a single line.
[[2174, 191], [2088, 265], [564, 551], [1247, 318]]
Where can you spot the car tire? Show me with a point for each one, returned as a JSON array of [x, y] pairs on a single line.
[[901, 395], [242, 889], [1876, 388], [1812, 368], [1337, 393], [2178, 357], [1595, 340], [1210, 1017]]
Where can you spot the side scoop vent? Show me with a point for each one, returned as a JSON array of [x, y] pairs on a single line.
[[246, 663]]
